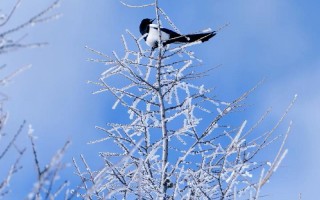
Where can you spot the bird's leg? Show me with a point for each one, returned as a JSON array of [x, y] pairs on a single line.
[[152, 49]]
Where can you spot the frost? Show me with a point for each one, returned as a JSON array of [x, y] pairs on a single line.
[[248, 174], [219, 111], [230, 177], [202, 90], [30, 130], [207, 30], [228, 109], [280, 159], [115, 104]]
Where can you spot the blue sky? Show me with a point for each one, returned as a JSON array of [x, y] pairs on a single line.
[[276, 40]]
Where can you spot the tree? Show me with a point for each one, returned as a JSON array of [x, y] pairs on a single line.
[[11, 39], [166, 150]]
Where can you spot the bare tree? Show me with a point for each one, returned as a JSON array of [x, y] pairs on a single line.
[[47, 185], [166, 150]]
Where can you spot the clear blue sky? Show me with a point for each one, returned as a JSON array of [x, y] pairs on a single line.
[[278, 40]]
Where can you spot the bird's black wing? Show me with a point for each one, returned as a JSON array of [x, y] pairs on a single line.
[[170, 32]]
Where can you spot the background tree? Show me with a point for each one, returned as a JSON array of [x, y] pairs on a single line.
[[12, 38], [168, 149]]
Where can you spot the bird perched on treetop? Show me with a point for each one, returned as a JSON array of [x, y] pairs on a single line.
[[151, 35]]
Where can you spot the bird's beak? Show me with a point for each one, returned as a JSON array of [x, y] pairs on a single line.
[[153, 20]]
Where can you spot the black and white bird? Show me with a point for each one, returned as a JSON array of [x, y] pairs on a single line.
[[151, 35]]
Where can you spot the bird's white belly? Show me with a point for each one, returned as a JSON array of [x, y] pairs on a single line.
[[153, 36]]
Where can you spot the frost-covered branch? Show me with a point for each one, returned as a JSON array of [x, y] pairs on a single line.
[[15, 167], [7, 43], [47, 185]]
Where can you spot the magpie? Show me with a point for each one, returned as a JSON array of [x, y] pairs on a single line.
[[150, 34]]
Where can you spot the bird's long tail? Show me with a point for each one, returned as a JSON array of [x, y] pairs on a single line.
[[192, 38], [203, 37]]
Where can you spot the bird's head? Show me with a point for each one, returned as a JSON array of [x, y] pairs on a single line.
[[144, 25]]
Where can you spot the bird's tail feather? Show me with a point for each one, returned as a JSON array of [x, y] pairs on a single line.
[[203, 37], [191, 38]]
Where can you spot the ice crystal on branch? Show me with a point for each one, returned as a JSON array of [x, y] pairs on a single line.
[[166, 150]]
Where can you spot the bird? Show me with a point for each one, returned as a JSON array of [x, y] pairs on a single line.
[[150, 34]]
